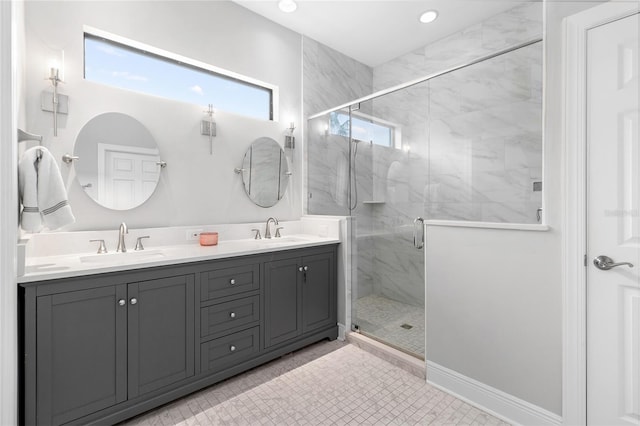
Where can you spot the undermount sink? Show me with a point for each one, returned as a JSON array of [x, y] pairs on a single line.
[[280, 241], [129, 256]]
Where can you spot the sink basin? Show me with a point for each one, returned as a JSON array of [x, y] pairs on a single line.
[[127, 257], [282, 241]]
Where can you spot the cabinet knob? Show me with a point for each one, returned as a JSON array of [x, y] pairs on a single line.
[[232, 281], [232, 348], [300, 269], [306, 268], [133, 301], [122, 302], [232, 314]]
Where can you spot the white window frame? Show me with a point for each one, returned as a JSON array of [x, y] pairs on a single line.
[[275, 92]]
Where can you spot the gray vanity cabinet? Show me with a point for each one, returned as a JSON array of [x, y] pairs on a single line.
[[160, 333], [102, 346], [82, 354], [300, 295], [99, 349]]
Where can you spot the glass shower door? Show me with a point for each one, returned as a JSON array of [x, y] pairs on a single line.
[[390, 170]]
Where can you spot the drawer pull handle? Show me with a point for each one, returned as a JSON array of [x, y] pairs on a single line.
[[232, 281], [306, 268], [134, 300], [232, 348], [300, 269], [232, 314], [122, 302]]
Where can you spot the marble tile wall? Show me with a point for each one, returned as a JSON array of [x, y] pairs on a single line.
[[330, 79]]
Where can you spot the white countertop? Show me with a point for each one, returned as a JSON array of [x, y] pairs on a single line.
[[80, 264]]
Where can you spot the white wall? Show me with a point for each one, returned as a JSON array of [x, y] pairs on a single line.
[[11, 88], [195, 188]]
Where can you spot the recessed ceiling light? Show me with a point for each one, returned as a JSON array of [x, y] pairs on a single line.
[[287, 6], [428, 16]]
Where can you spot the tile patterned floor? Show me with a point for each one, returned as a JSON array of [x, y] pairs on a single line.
[[383, 318], [329, 383]]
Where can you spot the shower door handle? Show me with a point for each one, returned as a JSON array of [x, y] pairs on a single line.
[[418, 242]]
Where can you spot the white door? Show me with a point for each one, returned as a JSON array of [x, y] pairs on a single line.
[[613, 224], [127, 176]]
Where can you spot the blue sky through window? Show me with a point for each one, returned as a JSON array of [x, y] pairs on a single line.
[[362, 129], [116, 65]]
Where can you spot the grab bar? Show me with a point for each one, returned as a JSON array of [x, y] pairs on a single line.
[[418, 244]]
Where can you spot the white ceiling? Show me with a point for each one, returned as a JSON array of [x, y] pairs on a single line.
[[376, 31]]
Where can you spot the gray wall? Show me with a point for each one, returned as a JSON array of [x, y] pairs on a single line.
[[195, 188]]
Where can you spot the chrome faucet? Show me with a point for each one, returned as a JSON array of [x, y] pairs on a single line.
[[123, 230], [267, 231]]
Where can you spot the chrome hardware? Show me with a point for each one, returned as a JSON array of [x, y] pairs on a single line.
[[267, 231], [68, 158], [238, 170], [102, 248], [306, 268], [539, 214], [122, 302], [232, 281], [133, 301], [232, 315], [605, 263], [121, 245], [232, 348], [300, 269], [139, 245], [278, 232], [257, 236], [418, 243], [162, 164]]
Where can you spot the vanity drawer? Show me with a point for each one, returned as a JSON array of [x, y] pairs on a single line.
[[224, 316], [230, 281], [226, 351]]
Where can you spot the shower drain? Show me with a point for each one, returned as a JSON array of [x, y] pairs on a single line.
[[406, 326]]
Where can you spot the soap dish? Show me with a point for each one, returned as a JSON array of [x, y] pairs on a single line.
[[208, 238]]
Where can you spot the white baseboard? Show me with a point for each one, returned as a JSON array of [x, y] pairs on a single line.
[[493, 401]]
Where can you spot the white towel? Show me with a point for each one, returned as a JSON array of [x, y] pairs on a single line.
[[42, 192]]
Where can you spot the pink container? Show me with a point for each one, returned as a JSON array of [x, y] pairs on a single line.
[[208, 238]]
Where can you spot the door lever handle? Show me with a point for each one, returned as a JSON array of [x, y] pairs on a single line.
[[605, 263]]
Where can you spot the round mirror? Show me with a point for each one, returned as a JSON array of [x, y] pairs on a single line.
[[265, 172], [118, 161]]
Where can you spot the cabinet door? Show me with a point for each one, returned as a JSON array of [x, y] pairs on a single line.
[[161, 333], [318, 292], [81, 355], [283, 301]]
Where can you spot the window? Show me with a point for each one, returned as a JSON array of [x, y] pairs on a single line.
[[365, 128], [133, 66]]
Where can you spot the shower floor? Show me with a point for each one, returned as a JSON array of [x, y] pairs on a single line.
[[396, 323]]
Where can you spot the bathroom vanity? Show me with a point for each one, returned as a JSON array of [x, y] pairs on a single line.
[[103, 347]]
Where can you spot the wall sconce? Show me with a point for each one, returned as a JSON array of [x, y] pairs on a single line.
[[53, 101], [290, 140], [208, 127]]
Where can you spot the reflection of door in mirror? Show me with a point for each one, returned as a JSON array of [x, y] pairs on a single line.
[[126, 175], [118, 166]]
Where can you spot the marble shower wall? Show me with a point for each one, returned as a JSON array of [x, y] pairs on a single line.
[[330, 79], [469, 145], [520, 24]]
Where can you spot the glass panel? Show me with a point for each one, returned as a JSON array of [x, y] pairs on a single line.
[[485, 133], [388, 298], [328, 164]]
